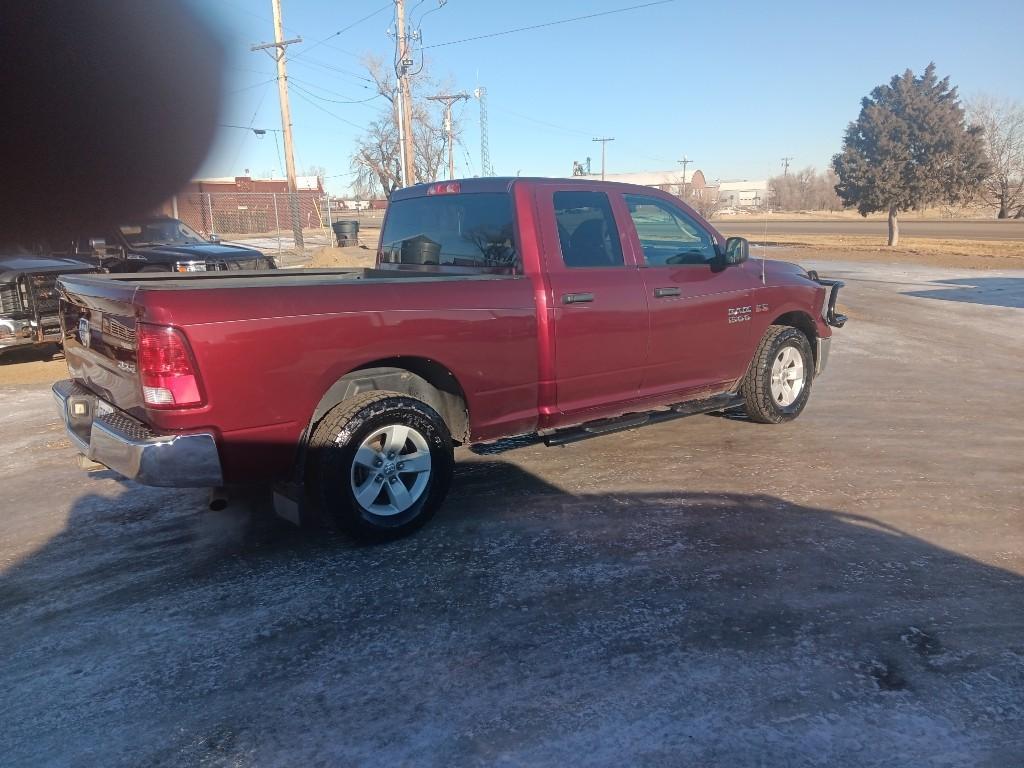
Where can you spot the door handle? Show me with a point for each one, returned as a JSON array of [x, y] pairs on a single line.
[[661, 293], [577, 298]]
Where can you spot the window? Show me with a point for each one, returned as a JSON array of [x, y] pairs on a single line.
[[586, 230], [160, 232], [460, 230], [667, 235]]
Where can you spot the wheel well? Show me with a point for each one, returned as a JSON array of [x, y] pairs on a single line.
[[803, 323], [418, 377]]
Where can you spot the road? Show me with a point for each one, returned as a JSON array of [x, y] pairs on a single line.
[[931, 228], [845, 590]]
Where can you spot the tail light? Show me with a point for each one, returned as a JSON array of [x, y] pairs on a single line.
[[167, 368]]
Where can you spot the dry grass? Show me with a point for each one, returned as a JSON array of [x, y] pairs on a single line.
[[963, 254]]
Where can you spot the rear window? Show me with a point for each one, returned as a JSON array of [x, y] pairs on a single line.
[[451, 230]]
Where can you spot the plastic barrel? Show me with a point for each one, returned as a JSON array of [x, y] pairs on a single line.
[[346, 232]]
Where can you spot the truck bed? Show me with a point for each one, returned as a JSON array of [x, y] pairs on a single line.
[[282, 278]]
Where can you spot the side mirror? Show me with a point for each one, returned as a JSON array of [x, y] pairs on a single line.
[[737, 250], [214, 239]]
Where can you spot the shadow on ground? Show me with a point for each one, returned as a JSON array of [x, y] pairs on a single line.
[[524, 626], [992, 291]]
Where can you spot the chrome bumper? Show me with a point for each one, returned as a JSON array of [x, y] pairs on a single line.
[[23, 333], [130, 448], [821, 355]]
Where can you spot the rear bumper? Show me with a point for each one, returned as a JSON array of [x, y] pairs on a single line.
[[130, 448]]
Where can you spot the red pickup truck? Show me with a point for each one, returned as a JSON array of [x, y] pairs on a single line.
[[497, 307]]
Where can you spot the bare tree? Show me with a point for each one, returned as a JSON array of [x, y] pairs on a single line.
[[377, 159], [315, 170], [805, 190], [1003, 123]]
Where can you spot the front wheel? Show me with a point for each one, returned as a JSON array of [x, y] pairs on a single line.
[[380, 464], [778, 382]]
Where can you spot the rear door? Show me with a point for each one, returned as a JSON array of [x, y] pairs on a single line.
[[699, 310], [599, 311]]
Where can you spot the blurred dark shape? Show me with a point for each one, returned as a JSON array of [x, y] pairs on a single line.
[[109, 107]]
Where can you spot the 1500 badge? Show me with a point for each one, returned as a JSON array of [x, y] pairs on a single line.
[[739, 314]]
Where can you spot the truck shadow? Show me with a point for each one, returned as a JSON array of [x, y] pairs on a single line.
[[147, 603], [992, 291]]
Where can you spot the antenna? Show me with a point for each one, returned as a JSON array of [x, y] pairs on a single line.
[[485, 146], [764, 242]]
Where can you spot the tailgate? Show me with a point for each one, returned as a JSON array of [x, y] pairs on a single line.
[[98, 320]]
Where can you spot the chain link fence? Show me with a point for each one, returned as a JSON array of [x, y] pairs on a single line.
[[286, 225]]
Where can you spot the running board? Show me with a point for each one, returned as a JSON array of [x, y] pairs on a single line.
[[634, 420]]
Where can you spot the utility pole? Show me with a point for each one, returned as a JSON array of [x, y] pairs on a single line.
[[448, 99], [276, 50], [785, 165], [604, 143], [404, 95], [684, 162]]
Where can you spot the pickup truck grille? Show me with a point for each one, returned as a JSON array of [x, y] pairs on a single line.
[[10, 299], [43, 288], [224, 266], [117, 329]]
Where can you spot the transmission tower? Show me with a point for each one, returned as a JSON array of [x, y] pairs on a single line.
[[485, 149]]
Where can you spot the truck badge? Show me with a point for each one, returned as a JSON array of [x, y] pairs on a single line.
[[84, 332]]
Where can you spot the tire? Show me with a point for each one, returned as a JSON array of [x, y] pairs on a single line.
[[783, 350], [358, 448]]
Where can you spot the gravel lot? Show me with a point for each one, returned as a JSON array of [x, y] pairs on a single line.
[[843, 590]]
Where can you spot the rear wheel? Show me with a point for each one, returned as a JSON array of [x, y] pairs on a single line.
[[778, 383], [380, 464]]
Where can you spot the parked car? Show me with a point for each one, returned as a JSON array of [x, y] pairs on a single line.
[[498, 307], [162, 244], [28, 294]]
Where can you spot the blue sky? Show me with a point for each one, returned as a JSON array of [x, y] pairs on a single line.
[[734, 86]]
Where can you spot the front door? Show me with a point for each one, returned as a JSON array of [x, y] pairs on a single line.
[[599, 311], [699, 310]]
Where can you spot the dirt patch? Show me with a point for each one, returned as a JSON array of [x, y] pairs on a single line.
[[353, 256], [32, 366]]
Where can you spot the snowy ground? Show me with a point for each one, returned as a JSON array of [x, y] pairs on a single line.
[[843, 590]]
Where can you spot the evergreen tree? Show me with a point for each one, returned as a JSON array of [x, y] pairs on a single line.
[[909, 147]]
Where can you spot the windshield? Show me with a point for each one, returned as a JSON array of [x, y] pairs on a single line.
[[161, 232]]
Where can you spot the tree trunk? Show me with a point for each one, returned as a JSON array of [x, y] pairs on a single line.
[[894, 226], [1020, 213]]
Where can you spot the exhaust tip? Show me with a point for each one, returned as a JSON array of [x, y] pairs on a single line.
[[218, 500]]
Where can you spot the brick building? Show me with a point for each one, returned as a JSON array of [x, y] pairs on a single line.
[[244, 205]]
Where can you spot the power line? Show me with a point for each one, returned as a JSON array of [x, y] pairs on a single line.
[[301, 93], [250, 87], [341, 31], [549, 24], [322, 65], [296, 81]]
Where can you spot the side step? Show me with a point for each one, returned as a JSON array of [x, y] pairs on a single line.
[[634, 420]]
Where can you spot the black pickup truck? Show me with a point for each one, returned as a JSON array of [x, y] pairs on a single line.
[[162, 244], [28, 294]]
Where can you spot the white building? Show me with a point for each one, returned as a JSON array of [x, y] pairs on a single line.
[[743, 194]]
